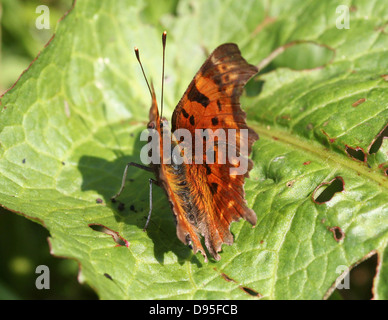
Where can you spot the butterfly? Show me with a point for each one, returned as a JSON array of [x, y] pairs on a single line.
[[204, 197]]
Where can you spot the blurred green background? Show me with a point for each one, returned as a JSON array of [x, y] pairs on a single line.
[[23, 243]]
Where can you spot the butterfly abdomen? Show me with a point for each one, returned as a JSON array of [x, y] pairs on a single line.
[[183, 190], [184, 203]]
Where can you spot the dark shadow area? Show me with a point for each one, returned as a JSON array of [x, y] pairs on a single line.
[[331, 188], [357, 153], [360, 281], [132, 206], [378, 141], [23, 247], [254, 87]]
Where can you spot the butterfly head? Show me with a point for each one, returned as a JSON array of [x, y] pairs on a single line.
[[155, 121], [160, 125]]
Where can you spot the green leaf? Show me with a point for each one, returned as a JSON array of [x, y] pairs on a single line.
[[73, 121], [380, 289]]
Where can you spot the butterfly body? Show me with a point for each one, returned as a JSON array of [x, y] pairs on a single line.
[[205, 198]]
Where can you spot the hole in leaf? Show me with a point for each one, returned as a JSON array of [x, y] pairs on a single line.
[[378, 141], [116, 237], [357, 153], [358, 102], [326, 190], [337, 233], [251, 291], [227, 278], [358, 284]]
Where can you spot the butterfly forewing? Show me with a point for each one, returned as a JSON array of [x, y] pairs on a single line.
[[210, 198]]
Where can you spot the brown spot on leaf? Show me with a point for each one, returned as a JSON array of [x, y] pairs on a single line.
[[352, 8], [227, 278], [358, 102], [120, 241], [306, 163], [108, 276], [310, 126], [290, 183], [331, 140]]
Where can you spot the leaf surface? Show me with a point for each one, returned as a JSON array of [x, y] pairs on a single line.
[[73, 121]]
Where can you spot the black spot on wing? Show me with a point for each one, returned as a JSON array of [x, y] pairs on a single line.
[[185, 114], [195, 95], [213, 187], [214, 121], [192, 122], [208, 170], [219, 105]]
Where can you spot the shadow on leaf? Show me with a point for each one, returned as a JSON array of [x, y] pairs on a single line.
[[104, 177]]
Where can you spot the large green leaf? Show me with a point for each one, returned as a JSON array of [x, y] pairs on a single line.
[[73, 120]]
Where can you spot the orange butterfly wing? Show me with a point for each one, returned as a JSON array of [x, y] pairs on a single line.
[[210, 197]]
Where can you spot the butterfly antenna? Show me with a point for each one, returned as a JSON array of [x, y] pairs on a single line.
[[164, 37], [141, 66]]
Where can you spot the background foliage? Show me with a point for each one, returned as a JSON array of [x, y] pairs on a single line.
[[72, 122]]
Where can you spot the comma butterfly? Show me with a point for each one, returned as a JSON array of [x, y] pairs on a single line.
[[204, 196]]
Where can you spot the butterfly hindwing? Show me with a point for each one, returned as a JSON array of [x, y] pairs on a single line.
[[216, 197]]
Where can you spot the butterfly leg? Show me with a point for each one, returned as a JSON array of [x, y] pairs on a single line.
[[152, 181], [133, 164]]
